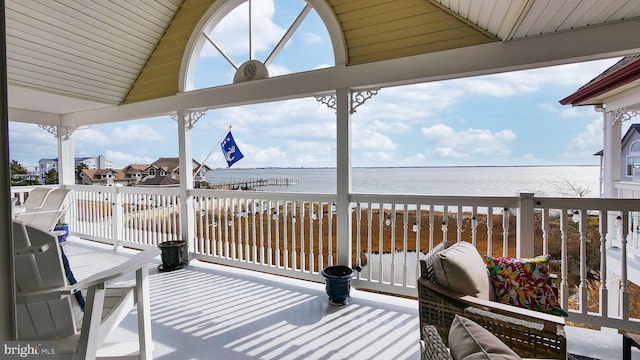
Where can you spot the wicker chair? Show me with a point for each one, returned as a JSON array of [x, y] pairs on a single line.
[[529, 333], [431, 345]]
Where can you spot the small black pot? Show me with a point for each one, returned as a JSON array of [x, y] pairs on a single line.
[[174, 255]]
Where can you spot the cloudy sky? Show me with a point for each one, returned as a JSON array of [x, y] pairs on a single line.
[[503, 119]]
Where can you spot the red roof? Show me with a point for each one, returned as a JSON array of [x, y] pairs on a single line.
[[621, 73]]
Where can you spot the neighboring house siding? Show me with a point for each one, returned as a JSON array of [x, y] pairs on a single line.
[[630, 154], [631, 159]]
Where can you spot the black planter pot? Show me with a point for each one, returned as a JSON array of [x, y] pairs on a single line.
[[174, 255], [338, 279]]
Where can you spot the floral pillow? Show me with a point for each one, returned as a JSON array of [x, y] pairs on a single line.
[[524, 283]]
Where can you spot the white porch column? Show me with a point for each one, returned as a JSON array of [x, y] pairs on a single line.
[[343, 175], [612, 133], [187, 227], [66, 160]]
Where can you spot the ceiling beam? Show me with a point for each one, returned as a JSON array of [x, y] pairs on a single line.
[[585, 44], [34, 117]]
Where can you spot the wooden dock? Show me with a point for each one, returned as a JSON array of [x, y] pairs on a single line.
[[252, 183]]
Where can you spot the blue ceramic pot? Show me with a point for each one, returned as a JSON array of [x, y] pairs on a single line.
[[338, 279]]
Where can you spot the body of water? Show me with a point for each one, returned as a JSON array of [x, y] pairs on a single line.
[[490, 181]]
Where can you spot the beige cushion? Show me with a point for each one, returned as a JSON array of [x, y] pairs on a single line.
[[461, 269], [470, 341]]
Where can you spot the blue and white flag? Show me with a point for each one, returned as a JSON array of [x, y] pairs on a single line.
[[230, 150]]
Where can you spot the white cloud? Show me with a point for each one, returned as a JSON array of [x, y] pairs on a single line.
[[527, 81], [445, 142], [135, 132], [278, 70], [588, 139], [122, 159], [90, 139], [567, 111], [572, 112], [371, 140], [549, 107], [231, 34], [312, 38], [28, 144]]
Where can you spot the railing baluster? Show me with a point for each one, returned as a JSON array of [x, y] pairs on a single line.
[[505, 232], [370, 239], [254, 240], [583, 288], [381, 223], [490, 231], [392, 250], [303, 252], [604, 292], [459, 224], [474, 226], [432, 226], [313, 218], [294, 222], [624, 293], [545, 231], [405, 242], [418, 232], [445, 223], [564, 280], [285, 229], [330, 233], [358, 249], [218, 227], [277, 224]]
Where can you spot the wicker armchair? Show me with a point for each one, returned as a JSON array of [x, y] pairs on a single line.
[[529, 333], [431, 345]]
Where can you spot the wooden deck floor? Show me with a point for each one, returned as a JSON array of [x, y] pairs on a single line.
[[207, 311]]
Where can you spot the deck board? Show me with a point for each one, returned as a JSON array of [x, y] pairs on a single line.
[[207, 311]]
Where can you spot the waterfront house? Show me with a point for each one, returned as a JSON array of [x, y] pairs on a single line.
[[74, 64], [171, 167], [103, 177], [92, 163], [134, 173], [614, 94]]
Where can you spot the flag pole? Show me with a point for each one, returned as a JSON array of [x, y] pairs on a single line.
[[212, 149]]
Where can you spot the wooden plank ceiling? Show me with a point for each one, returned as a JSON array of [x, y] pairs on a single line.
[[110, 52]]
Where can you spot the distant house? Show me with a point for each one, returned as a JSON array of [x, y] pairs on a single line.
[[44, 166], [98, 162], [160, 181], [92, 163], [135, 173], [615, 93], [106, 177], [166, 172]]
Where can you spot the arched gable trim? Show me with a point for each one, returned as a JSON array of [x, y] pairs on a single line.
[[221, 8]]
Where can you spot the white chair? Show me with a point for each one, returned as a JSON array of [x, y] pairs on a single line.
[[47, 309], [48, 215], [34, 201]]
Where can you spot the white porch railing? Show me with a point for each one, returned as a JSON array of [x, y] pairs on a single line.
[[295, 235]]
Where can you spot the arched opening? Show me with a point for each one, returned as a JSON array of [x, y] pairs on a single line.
[[239, 41]]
